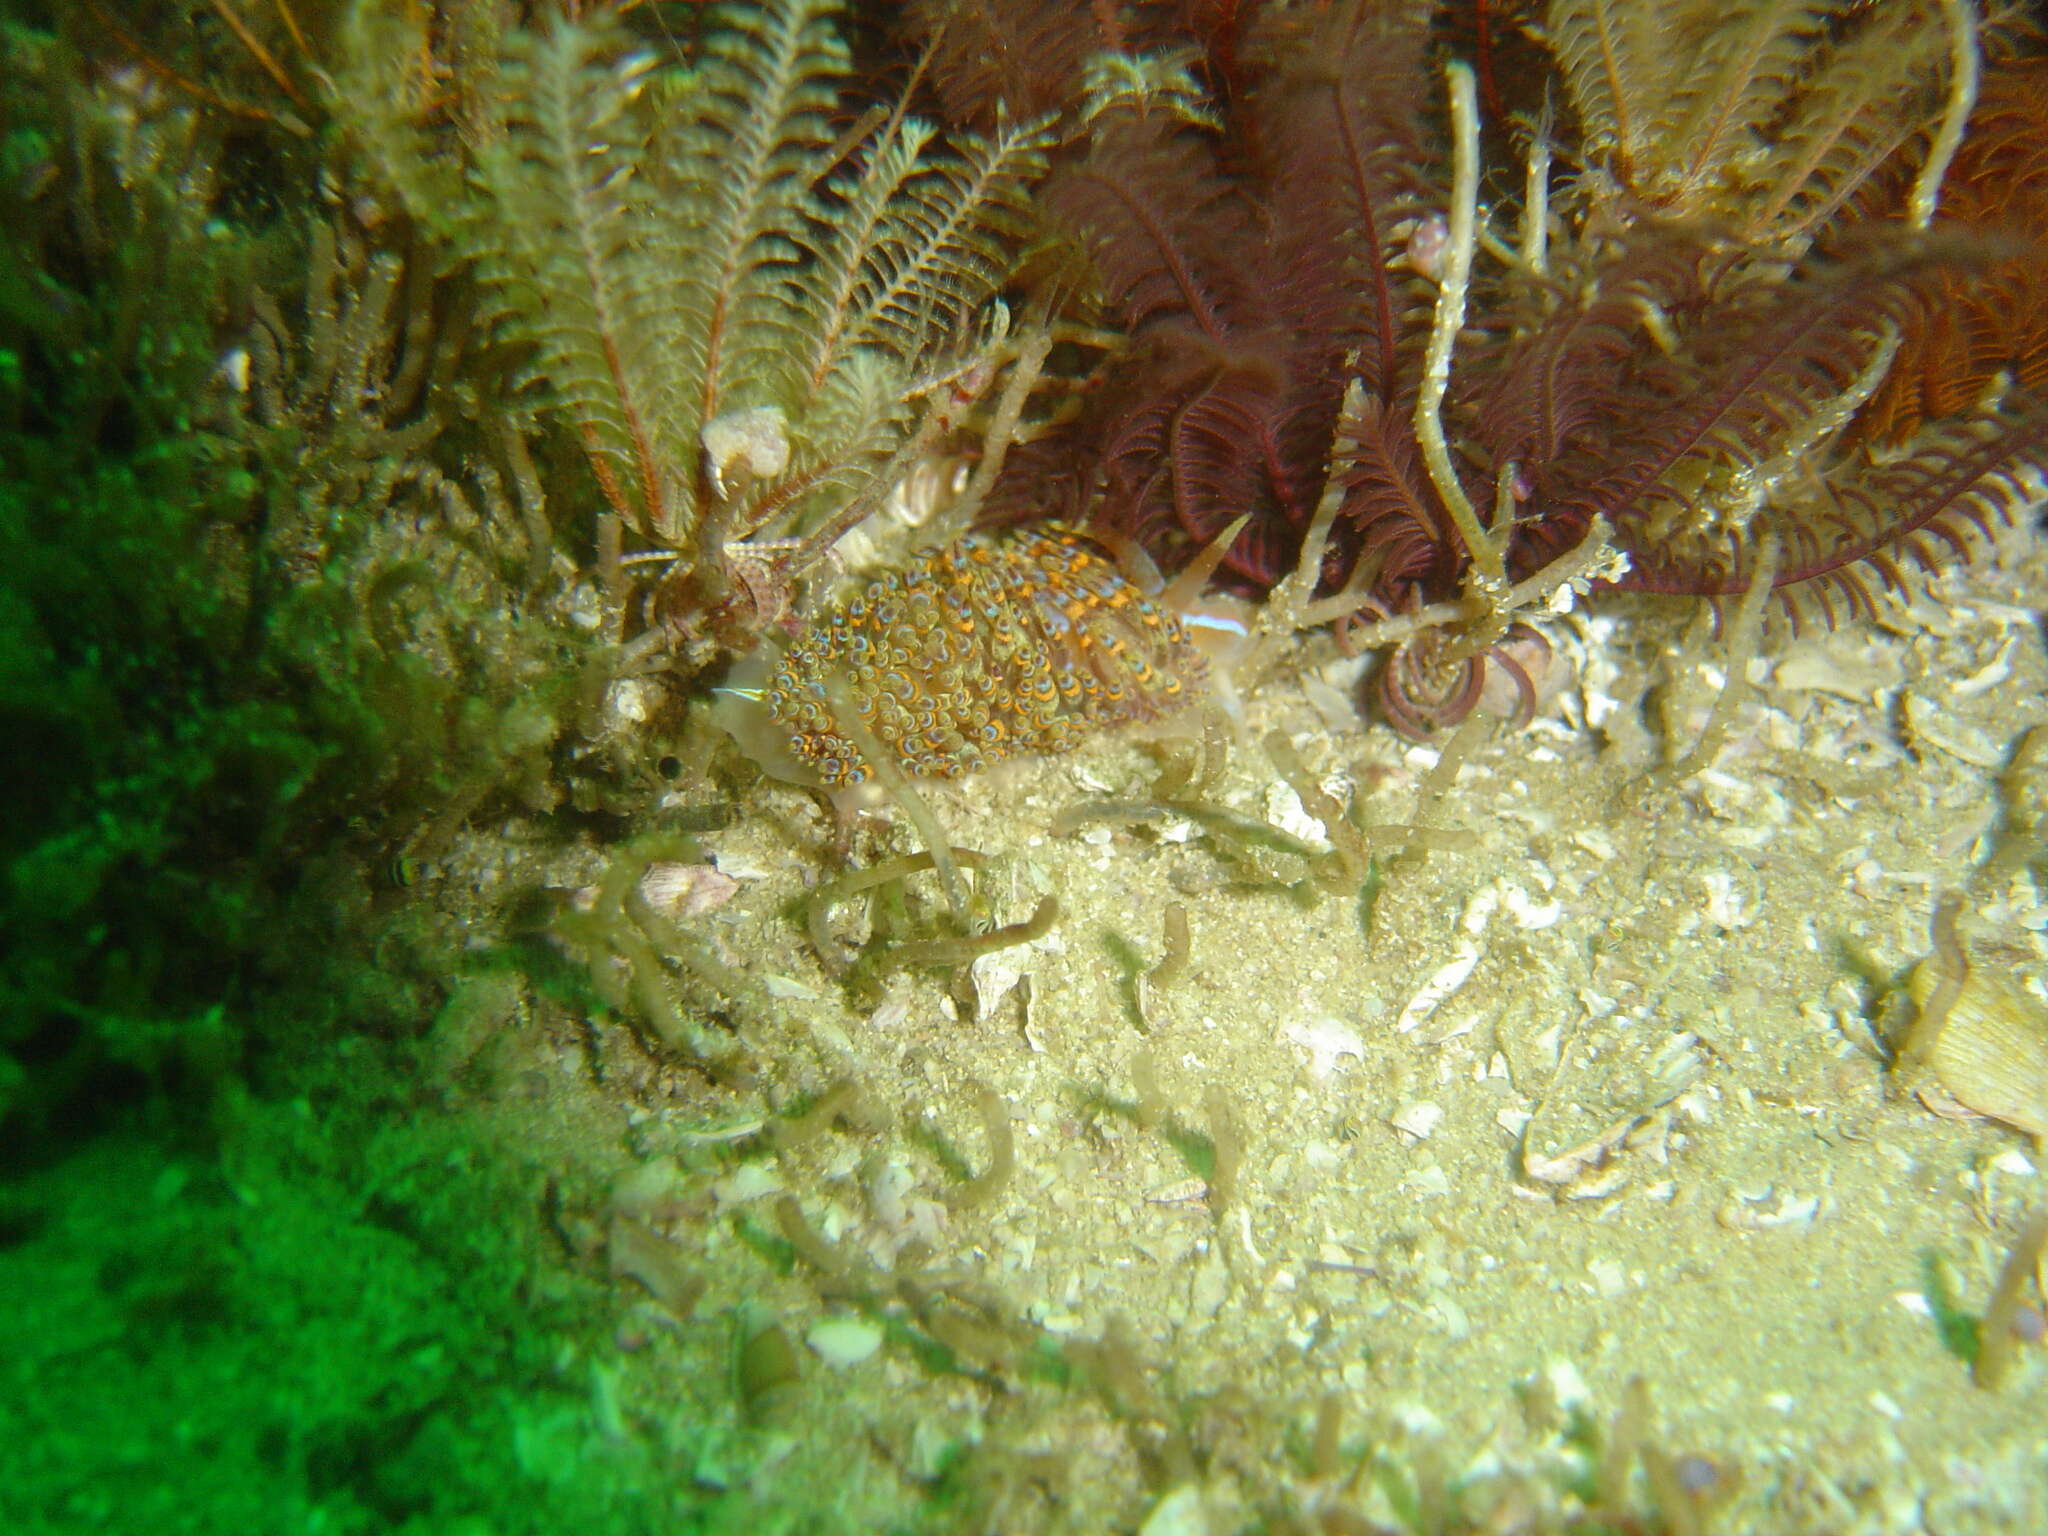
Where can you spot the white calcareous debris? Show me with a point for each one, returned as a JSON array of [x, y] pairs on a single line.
[[749, 1181], [673, 890], [1327, 1040], [1284, 810], [1594, 841], [1417, 1120], [890, 1012], [741, 866], [1727, 906], [1528, 913], [844, 1341], [1429, 1181], [1988, 676], [1178, 1513], [1609, 1278], [1447, 979], [1928, 723], [1560, 1168], [1767, 1210], [995, 977], [1841, 665]]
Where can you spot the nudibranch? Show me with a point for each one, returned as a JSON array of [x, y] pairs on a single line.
[[992, 647]]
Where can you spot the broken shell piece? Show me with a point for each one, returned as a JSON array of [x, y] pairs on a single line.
[[673, 890], [995, 976], [1448, 978], [1767, 1209], [1992, 1050], [1640, 1072], [844, 1341], [1327, 1040], [1417, 1120], [1928, 724], [686, 890], [1564, 1167]]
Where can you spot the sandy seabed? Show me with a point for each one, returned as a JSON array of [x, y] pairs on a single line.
[[1376, 1199]]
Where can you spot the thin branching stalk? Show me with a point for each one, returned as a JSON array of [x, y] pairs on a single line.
[[1743, 638], [1535, 251], [847, 717], [1581, 563], [1029, 363], [1449, 320], [1964, 68]]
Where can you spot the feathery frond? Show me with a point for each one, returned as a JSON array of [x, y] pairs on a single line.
[[1680, 479], [733, 308], [1022, 57], [1763, 116], [1987, 324], [749, 125], [919, 241], [558, 243], [1340, 124]]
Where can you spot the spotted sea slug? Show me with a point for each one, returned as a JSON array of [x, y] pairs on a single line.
[[993, 647]]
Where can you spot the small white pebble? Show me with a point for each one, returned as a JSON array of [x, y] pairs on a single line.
[[844, 1341], [1179, 1513], [749, 1181], [1417, 1120], [1327, 1040], [1284, 810], [1447, 980], [1526, 913], [1429, 1181]]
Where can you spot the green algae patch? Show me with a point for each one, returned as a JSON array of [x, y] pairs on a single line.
[[318, 1330]]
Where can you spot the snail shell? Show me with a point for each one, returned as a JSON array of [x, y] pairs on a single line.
[[1992, 1051]]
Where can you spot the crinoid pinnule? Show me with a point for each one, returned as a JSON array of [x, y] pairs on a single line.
[[1984, 332], [992, 648]]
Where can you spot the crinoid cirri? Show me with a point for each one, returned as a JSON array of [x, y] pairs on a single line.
[[1637, 362]]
